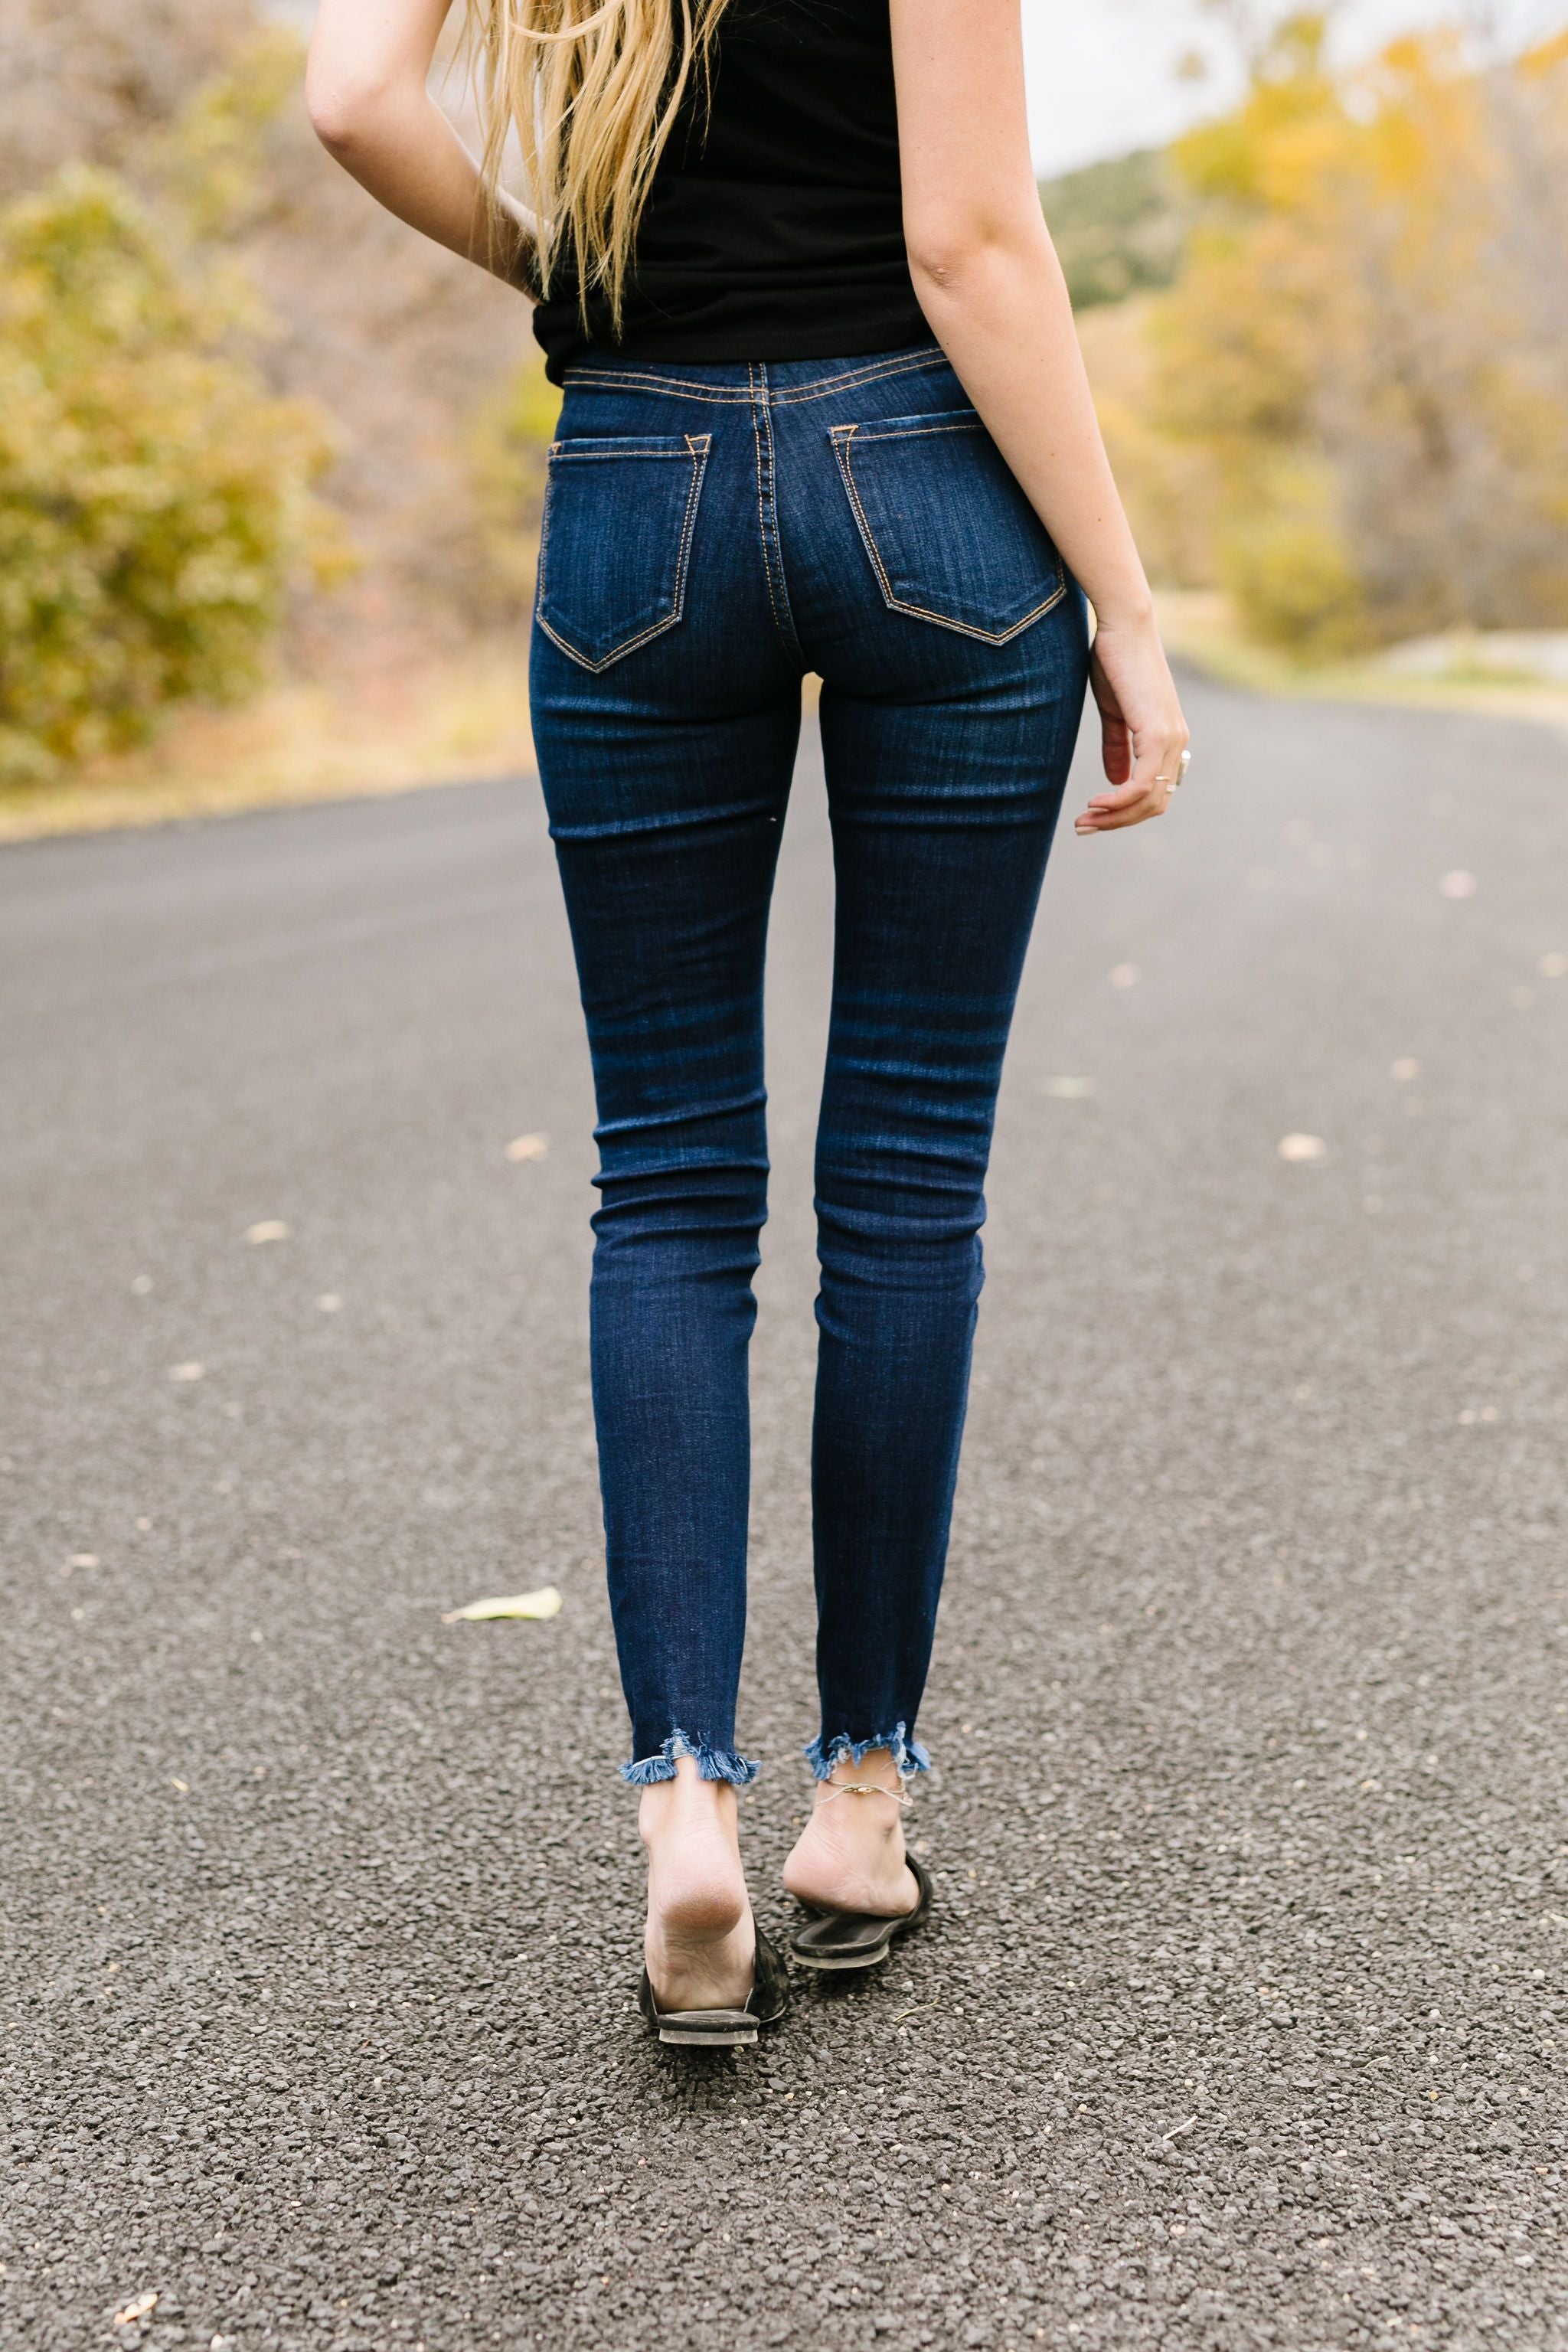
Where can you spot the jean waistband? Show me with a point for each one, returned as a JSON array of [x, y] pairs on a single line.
[[774, 382]]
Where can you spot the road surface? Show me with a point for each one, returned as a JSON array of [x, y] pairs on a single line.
[[1244, 2020]]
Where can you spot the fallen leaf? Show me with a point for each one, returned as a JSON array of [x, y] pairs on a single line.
[[135, 2311], [187, 1372], [1302, 1147], [1553, 966], [1125, 975], [1069, 1089], [270, 1229], [84, 1560], [329, 1302], [183, 1786], [528, 1147], [1459, 884], [142, 1284], [542, 1603], [1405, 1069]]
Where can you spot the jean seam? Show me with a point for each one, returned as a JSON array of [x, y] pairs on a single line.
[[763, 432], [842, 436], [736, 394], [821, 386], [676, 386], [906, 429]]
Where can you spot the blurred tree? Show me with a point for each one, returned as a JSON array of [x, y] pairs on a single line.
[[1368, 347], [507, 449], [201, 112], [1117, 226], [85, 80], [154, 497]]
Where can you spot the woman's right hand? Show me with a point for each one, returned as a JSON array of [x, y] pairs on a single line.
[[1142, 732]]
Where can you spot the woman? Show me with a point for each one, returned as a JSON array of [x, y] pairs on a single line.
[[824, 411]]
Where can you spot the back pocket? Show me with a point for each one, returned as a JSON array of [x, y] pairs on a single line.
[[616, 541], [951, 536]]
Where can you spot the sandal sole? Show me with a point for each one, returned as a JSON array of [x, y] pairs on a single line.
[[727, 2041], [825, 1965]]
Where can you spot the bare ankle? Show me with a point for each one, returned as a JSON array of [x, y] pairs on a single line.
[[867, 1798], [687, 1805]]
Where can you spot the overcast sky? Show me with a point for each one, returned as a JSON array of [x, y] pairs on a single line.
[[1102, 74]]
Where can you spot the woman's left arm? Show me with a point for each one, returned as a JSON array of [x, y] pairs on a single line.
[[367, 90], [989, 282]]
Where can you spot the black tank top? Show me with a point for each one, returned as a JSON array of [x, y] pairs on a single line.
[[773, 229]]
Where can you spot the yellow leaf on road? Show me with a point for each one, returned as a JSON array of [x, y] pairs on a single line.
[[528, 1147], [135, 2311], [270, 1229], [1302, 1147], [542, 1603]]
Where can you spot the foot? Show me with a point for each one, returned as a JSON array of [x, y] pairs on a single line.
[[701, 1942], [850, 1854]]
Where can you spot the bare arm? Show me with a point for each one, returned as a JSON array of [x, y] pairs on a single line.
[[988, 280], [367, 90]]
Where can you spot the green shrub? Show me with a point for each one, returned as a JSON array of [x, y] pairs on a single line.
[[154, 498], [1287, 566]]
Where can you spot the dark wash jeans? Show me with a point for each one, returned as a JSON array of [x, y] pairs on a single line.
[[712, 534]]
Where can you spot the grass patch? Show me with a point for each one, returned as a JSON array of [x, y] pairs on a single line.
[[1197, 627], [389, 726]]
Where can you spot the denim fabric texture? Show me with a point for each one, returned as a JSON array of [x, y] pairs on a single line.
[[712, 533]]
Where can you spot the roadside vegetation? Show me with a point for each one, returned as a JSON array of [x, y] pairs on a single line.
[[1348, 411], [271, 470]]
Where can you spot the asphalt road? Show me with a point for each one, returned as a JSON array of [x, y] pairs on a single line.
[[1244, 2019]]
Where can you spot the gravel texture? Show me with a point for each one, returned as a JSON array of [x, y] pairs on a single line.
[[1242, 2019]]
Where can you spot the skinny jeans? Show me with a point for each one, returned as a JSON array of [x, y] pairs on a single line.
[[711, 534]]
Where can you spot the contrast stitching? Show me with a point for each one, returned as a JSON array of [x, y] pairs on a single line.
[[820, 385], [842, 436], [632, 380], [627, 381], [574, 457], [784, 622], [969, 424], [697, 448], [543, 546]]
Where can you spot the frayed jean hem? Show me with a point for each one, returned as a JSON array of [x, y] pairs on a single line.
[[712, 1763], [908, 1755]]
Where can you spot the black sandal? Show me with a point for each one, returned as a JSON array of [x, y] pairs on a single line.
[[861, 1939], [723, 2029]]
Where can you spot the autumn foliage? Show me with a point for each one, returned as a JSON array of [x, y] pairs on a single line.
[[154, 498], [1353, 412]]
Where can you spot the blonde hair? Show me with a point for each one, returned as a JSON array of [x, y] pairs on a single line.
[[592, 88]]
